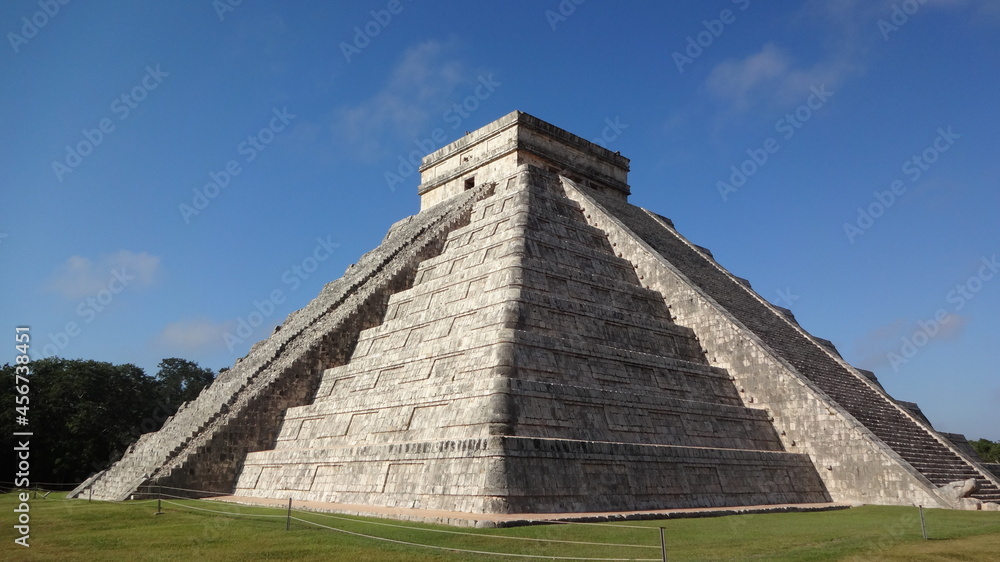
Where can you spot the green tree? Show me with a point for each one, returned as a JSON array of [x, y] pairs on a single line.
[[181, 381], [83, 414], [988, 450]]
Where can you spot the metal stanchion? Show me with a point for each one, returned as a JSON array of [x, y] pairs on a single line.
[[663, 544], [288, 522], [923, 525]]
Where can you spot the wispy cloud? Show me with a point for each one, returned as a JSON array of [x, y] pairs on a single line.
[[874, 348], [81, 276], [844, 33], [421, 84], [770, 76], [192, 335]]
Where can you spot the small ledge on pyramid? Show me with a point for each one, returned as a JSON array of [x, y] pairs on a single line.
[[788, 313], [704, 250]]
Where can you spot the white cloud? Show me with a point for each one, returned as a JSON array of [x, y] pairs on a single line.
[[770, 76], [82, 277], [423, 82], [736, 79], [194, 335], [849, 29]]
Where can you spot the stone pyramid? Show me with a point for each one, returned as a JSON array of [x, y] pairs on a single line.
[[531, 342]]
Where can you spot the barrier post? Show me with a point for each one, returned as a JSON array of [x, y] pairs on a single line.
[[663, 545], [923, 525], [288, 521]]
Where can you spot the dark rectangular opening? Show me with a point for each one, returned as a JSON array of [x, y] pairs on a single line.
[[470, 182]]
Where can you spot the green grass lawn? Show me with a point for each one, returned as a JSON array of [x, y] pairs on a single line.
[[78, 530]]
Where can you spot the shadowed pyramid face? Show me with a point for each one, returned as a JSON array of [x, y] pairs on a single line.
[[530, 342]]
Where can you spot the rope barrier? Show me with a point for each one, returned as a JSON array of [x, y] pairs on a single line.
[[223, 512], [407, 543], [445, 531], [482, 534], [195, 499], [158, 490], [615, 525]]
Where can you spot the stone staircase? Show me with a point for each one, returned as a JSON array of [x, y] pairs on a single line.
[[215, 416], [810, 356], [907, 437]]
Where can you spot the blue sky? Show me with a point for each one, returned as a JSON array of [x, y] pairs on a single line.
[[171, 170]]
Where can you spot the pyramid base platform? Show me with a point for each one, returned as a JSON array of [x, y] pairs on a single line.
[[530, 475], [499, 520]]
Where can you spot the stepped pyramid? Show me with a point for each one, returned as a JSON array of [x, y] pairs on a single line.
[[530, 342]]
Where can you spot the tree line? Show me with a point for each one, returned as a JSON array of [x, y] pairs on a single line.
[[988, 450], [83, 414]]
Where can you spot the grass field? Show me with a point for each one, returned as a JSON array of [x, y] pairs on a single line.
[[78, 530]]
